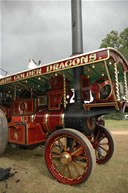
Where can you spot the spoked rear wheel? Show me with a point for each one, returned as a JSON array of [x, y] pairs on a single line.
[[103, 144], [69, 156]]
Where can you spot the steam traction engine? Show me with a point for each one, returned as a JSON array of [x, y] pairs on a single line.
[[58, 107]]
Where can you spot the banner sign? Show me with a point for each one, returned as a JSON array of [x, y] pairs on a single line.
[[72, 62]]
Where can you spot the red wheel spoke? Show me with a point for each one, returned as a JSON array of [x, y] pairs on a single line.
[[73, 143], [96, 153], [78, 165], [99, 153], [103, 137], [77, 171], [56, 150], [77, 151], [65, 145], [55, 156], [103, 148], [58, 164], [103, 143], [97, 136], [69, 172], [63, 170], [60, 143], [81, 157]]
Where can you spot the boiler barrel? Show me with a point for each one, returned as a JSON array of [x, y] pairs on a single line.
[[50, 120]]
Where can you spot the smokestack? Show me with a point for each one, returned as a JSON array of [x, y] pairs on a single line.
[[77, 43]]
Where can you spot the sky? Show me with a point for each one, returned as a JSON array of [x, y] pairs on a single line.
[[41, 30]]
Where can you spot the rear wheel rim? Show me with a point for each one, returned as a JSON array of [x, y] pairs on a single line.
[[103, 144]]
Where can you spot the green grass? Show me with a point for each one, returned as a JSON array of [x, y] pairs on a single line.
[[117, 125]]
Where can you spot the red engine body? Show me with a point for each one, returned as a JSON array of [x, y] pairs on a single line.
[[31, 123], [49, 120]]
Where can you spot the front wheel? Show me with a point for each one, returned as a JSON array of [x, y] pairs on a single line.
[[69, 156]]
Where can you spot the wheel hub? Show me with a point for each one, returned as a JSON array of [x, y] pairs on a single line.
[[65, 158], [95, 144]]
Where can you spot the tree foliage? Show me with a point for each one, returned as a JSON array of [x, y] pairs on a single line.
[[118, 41], [115, 116]]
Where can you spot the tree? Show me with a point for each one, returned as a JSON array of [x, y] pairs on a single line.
[[124, 43], [117, 41]]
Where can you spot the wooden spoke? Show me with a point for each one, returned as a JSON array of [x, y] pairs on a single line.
[[65, 145], [81, 157], [103, 137], [96, 152], [76, 170], [56, 150], [103, 143], [99, 153], [73, 143], [63, 170], [58, 164], [60, 143], [55, 156], [78, 165], [69, 172], [97, 136], [77, 151], [103, 148]]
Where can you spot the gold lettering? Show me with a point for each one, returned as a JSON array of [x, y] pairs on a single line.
[[32, 72], [15, 77], [84, 59], [76, 61], [61, 65], [49, 68], [55, 66], [22, 76], [6, 80], [68, 63], [92, 57]]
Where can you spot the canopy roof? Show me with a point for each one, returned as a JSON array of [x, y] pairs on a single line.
[[94, 68]]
